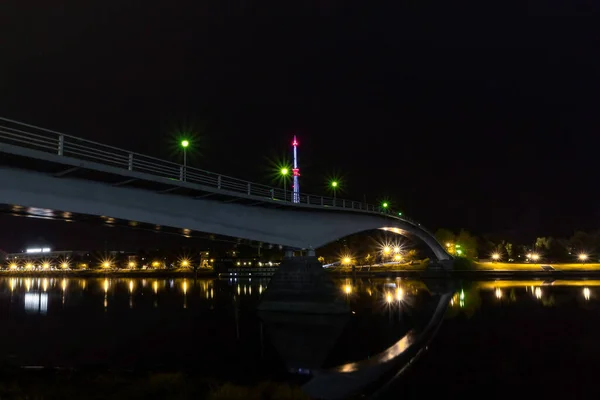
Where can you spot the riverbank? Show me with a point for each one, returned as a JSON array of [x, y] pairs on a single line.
[[120, 273], [477, 270]]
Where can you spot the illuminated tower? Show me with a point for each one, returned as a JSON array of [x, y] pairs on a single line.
[[296, 170]]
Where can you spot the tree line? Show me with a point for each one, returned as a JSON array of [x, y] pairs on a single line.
[[547, 248]]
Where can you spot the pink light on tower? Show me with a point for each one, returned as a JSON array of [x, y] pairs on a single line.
[[296, 171]]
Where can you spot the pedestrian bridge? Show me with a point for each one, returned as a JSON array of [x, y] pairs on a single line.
[[47, 171]]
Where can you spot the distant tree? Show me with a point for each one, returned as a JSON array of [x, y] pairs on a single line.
[[445, 236], [509, 249], [468, 244], [558, 250], [543, 243], [410, 255], [582, 242]]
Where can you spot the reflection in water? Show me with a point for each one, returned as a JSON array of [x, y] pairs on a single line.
[[391, 322]]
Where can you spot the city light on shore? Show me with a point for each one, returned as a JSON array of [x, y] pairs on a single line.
[[496, 256], [582, 257]]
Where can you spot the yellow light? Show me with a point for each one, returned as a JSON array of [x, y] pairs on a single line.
[[397, 249], [348, 289], [130, 286], [29, 266], [399, 294], [448, 244], [155, 264], [46, 265], [185, 263], [106, 285], [495, 256], [387, 250], [185, 286], [398, 257], [63, 284], [106, 264], [64, 265], [586, 293], [14, 266], [346, 260], [388, 297], [535, 257], [155, 287], [582, 257], [498, 293], [131, 264], [45, 284]]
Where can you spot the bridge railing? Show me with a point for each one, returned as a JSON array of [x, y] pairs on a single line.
[[49, 141]]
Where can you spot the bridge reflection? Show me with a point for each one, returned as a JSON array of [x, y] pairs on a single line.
[[391, 323]]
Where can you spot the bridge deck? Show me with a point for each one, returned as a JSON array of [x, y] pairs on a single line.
[[30, 147]]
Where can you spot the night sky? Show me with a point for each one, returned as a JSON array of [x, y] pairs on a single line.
[[481, 115]]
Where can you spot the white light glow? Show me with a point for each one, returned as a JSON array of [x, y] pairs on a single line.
[[39, 250]]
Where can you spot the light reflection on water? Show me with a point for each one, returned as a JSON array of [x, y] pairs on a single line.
[[121, 318], [385, 291]]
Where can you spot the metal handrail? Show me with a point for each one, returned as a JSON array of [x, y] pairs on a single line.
[[49, 141]]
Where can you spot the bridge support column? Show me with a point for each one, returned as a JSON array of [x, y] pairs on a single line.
[[302, 286]]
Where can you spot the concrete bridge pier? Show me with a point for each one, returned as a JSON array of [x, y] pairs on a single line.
[[302, 286]]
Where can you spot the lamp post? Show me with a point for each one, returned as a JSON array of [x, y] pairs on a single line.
[[284, 173], [184, 144], [334, 186], [385, 205]]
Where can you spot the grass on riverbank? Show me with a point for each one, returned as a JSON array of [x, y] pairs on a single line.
[[500, 266]]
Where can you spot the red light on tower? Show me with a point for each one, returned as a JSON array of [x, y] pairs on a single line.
[[296, 171]]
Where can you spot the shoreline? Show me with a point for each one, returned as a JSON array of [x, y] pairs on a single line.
[[116, 273], [388, 273]]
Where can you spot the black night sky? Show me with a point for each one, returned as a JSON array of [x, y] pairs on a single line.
[[480, 115]]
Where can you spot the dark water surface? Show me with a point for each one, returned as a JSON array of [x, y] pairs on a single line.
[[180, 338]]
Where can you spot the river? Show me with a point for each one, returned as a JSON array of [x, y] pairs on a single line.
[[400, 337]]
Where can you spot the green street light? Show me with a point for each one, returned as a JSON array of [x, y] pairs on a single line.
[[400, 214], [184, 144], [385, 204], [284, 172], [334, 186]]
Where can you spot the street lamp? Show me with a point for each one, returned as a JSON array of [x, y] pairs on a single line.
[[334, 186], [184, 144], [495, 256], [387, 250], [535, 257], [583, 257], [284, 173]]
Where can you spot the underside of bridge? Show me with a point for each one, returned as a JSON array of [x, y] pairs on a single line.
[[297, 228]]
